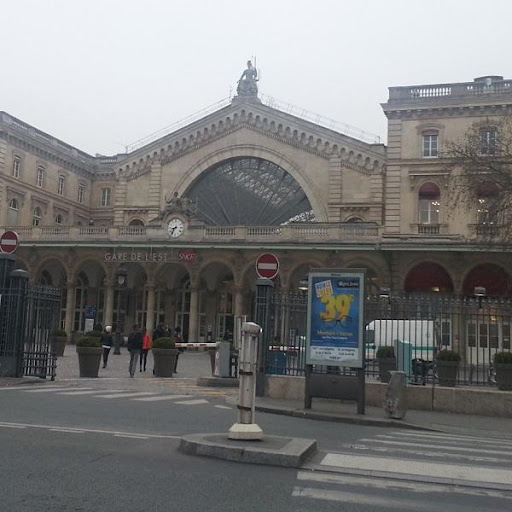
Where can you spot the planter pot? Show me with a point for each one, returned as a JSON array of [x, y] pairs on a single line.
[[504, 377], [164, 361], [386, 365], [447, 372], [58, 345], [89, 360]]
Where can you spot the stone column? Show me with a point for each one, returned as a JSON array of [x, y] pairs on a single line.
[[193, 322], [238, 309], [150, 309], [108, 315], [70, 308]]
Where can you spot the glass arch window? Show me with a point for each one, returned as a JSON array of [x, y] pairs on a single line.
[[249, 191], [429, 204]]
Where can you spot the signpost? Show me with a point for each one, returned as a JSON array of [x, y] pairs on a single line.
[[267, 266], [9, 242]]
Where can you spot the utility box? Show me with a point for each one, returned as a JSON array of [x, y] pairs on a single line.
[[222, 359], [403, 353]]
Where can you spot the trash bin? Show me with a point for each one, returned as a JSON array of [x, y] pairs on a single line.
[[276, 362], [223, 359]]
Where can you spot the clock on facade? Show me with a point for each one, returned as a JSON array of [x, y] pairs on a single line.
[[175, 227]]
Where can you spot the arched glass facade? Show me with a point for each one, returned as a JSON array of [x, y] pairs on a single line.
[[249, 191]]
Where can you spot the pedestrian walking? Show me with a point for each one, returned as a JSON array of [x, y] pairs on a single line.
[[159, 332], [106, 343], [134, 347], [146, 345], [177, 339]]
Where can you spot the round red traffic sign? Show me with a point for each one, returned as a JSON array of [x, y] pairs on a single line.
[[9, 241], [267, 266]]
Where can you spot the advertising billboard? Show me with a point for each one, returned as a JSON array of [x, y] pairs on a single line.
[[335, 318]]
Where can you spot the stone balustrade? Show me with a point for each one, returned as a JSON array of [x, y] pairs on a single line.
[[291, 233], [434, 92]]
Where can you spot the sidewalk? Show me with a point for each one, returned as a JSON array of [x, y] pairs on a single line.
[[334, 410]]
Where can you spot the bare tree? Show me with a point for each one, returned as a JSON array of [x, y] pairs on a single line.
[[481, 177]]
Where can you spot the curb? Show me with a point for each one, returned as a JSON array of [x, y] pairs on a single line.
[[324, 416], [289, 452], [218, 382]]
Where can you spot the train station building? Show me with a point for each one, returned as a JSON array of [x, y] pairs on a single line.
[[170, 231]]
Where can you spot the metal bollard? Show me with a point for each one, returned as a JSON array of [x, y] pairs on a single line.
[[246, 428]]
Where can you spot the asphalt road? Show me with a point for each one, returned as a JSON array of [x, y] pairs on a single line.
[[102, 450]]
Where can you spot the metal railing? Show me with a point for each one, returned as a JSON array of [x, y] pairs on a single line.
[[475, 329]]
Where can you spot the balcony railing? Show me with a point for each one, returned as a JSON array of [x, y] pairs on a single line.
[[425, 93], [290, 233]]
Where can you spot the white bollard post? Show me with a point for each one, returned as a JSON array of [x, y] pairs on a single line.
[[246, 428]]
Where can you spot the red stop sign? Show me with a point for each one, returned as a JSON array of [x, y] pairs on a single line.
[[9, 241], [267, 266]]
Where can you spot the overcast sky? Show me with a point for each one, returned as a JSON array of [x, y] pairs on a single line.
[[101, 74]]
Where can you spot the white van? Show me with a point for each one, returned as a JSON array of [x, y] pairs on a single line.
[[423, 335]]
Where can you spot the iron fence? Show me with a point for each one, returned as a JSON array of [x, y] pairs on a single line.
[[417, 327], [28, 314], [39, 359]]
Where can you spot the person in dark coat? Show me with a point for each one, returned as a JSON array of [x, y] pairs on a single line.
[[159, 332], [106, 343], [134, 347], [177, 339]]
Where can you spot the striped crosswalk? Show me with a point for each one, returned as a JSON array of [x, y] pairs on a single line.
[[188, 398], [411, 470]]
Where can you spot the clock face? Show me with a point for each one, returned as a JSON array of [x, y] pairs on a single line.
[[176, 227]]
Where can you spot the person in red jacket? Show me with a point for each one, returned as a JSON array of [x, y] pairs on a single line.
[[146, 345]]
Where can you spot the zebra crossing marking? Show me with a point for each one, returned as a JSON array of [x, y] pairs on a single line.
[[141, 396], [222, 407], [125, 394], [435, 447], [158, 398], [193, 402], [48, 389], [387, 483], [451, 437], [410, 469], [88, 392]]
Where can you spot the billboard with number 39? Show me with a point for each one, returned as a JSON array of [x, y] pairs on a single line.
[[335, 318]]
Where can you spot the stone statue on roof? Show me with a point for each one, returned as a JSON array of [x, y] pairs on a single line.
[[247, 85]]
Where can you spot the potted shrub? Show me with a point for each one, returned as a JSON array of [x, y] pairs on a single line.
[[387, 362], [58, 340], [89, 353], [447, 366], [164, 355], [503, 367]]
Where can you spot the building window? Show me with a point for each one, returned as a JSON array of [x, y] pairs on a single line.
[[16, 166], [40, 176], [36, 217], [81, 193], [60, 185], [12, 213], [488, 141], [487, 211], [429, 204], [59, 219], [105, 197], [14, 204], [430, 144]]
